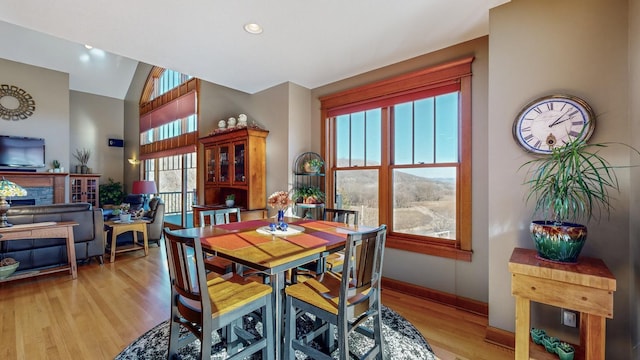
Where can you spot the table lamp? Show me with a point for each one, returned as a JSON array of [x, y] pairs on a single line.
[[8, 189], [144, 188]]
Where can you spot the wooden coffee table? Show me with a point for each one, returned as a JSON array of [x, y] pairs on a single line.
[[118, 228]]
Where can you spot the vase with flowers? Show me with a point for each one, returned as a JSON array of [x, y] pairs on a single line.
[[123, 211], [280, 201]]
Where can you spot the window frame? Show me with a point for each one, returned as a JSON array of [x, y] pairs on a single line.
[[455, 73]]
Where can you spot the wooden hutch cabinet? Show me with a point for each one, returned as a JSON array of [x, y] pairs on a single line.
[[84, 188], [235, 163]]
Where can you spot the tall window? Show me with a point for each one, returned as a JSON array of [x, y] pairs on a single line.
[[168, 138], [399, 153]]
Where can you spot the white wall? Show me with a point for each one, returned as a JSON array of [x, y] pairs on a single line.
[[540, 47]]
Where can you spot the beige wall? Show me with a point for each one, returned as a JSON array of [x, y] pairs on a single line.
[[540, 47], [93, 120], [467, 279], [634, 208], [50, 120]]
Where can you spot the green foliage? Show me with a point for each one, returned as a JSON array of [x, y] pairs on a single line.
[[572, 183], [111, 193], [55, 164], [304, 192], [231, 197]]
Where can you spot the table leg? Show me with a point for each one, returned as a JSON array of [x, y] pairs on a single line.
[[277, 284], [71, 253], [592, 336], [112, 258], [523, 320], [145, 239]]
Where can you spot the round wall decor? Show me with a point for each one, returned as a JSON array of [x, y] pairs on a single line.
[[15, 103]]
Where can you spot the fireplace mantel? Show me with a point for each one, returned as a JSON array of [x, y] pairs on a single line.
[[40, 179]]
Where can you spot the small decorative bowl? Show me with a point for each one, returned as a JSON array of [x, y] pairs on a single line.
[[7, 270]]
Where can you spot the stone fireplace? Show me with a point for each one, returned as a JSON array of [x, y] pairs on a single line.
[[43, 188]]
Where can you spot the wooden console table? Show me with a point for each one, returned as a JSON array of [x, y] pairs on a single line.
[[586, 287], [44, 230]]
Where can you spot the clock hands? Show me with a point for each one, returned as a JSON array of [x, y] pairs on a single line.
[[560, 117]]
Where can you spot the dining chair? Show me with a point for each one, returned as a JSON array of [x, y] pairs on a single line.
[[334, 261], [218, 217], [345, 301], [203, 302]]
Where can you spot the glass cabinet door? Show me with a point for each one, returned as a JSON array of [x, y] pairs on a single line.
[[225, 165], [239, 163], [91, 192], [76, 190], [210, 158]]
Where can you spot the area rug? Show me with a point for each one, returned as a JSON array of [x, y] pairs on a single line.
[[402, 341]]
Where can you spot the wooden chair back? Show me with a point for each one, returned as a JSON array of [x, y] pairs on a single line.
[[231, 298], [187, 276], [345, 216], [219, 216], [362, 272]]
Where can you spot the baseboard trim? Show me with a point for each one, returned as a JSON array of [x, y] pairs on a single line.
[[459, 302], [500, 337]]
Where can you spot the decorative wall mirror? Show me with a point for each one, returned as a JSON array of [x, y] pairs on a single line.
[[15, 103]]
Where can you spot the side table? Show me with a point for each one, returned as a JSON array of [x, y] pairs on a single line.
[[118, 228], [44, 230], [586, 287]]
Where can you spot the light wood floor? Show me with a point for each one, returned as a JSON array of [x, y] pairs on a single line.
[[107, 307]]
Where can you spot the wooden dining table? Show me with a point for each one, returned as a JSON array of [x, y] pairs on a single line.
[[252, 244]]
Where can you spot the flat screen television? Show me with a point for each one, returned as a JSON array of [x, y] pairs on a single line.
[[21, 152]]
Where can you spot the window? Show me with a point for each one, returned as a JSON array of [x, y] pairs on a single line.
[[168, 139], [398, 151]]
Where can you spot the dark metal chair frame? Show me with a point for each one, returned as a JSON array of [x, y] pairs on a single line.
[[358, 299]]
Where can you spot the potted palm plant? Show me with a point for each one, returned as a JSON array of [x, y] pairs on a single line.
[[572, 184]]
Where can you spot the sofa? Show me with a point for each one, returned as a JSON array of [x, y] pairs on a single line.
[[41, 253]]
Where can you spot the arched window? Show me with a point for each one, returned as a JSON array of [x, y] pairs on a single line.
[[168, 139]]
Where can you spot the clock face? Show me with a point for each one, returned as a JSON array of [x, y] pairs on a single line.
[[553, 121]]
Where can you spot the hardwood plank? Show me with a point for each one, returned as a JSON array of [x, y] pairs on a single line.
[[109, 306]]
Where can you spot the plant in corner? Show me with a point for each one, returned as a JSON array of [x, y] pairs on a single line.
[[309, 195], [571, 184], [111, 193], [313, 165]]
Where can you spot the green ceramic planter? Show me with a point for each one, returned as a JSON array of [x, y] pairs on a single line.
[[561, 243], [550, 343], [565, 355], [537, 335]]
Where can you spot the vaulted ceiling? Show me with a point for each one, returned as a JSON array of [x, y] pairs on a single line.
[[308, 43]]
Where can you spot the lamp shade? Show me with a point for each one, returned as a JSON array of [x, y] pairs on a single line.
[[144, 187], [8, 188]]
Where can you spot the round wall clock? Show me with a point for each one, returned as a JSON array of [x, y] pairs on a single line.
[[15, 103], [552, 121]]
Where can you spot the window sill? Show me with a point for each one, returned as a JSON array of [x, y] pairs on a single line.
[[422, 247]]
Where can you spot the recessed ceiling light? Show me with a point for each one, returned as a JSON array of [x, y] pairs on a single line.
[[89, 47], [253, 28]]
